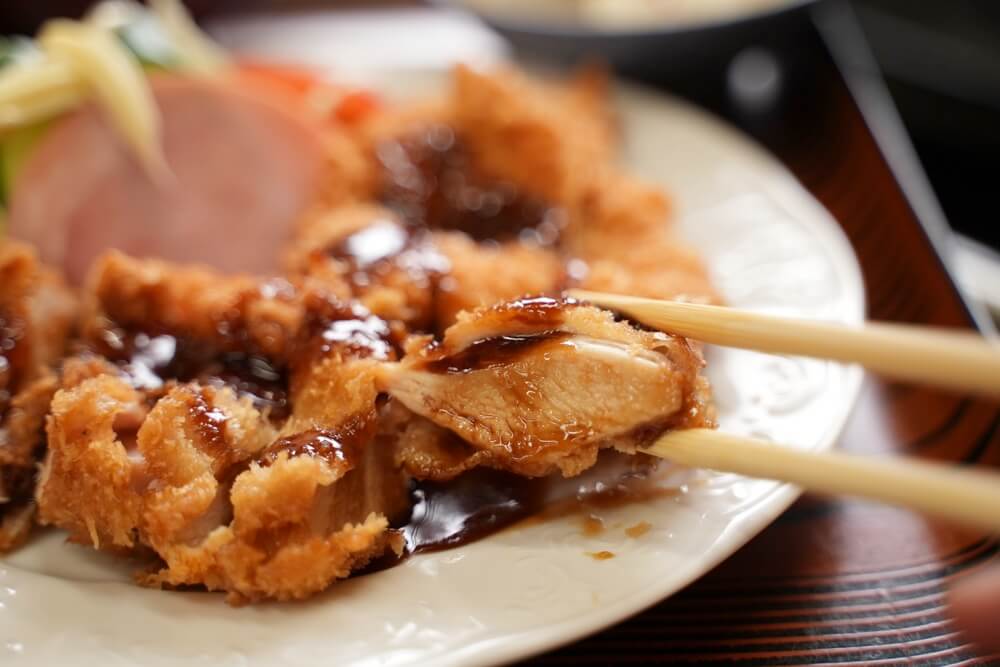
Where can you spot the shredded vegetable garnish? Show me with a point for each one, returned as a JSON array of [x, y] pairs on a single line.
[[34, 91], [102, 57], [196, 51], [115, 78]]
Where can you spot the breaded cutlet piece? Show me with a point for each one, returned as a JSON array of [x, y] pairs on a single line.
[[349, 171], [621, 229], [485, 274], [36, 316], [366, 252], [557, 143], [227, 424], [541, 137], [239, 312]]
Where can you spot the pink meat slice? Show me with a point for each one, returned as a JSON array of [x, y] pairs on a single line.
[[243, 169]]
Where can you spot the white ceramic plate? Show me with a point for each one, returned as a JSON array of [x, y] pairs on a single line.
[[770, 246]]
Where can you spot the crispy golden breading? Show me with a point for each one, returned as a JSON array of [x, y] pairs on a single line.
[[349, 171], [430, 452], [484, 274], [557, 144], [225, 489], [543, 138], [88, 484], [620, 228], [36, 313], [232, 312], [366, 252]]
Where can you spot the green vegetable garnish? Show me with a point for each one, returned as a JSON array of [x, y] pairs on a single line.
[[16, 49], [14, 150]]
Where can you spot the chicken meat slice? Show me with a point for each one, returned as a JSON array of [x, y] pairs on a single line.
[[540, 385], [36, 315]]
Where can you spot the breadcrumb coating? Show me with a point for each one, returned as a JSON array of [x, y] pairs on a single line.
[[36, 316], [194, 468]]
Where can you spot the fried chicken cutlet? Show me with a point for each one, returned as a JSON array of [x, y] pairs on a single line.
[[258, 436], [227, 424]]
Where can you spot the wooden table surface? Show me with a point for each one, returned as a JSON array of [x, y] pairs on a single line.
[[836, 580]]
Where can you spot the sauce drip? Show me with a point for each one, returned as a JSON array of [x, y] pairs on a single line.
[[482, 501], [320, 443], [493, 352], [472, 506], [211, 424], [151, 360], [429, 180]]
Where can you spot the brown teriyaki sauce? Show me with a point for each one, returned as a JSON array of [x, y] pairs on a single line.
[[151, 360], [482, 501], [473, 505], [541, 315], [429, 180], [493, 352], [385, 246]]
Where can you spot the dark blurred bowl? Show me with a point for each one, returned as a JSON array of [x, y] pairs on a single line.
[[663, 49]]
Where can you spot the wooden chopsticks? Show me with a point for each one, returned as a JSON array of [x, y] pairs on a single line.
[[969, 496], [933, 356], [957, 360]]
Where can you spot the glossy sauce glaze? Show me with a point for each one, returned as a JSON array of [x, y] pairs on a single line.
[[152, 360], [387, 246], [482, 501], [493, 352], [472, 506], [210, 423], [429, 180], [537, 311], [331, 446], [349, 328], [541, 315]]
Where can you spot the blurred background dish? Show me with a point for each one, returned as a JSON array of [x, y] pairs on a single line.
[[622, 14], [636, 37]]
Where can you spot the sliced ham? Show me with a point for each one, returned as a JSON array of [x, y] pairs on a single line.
[[243, 169]]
